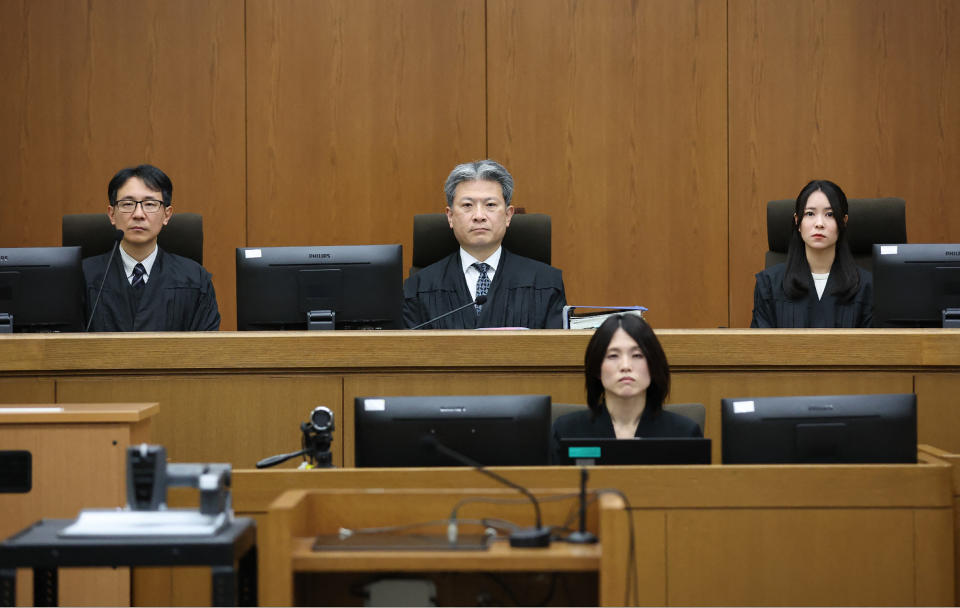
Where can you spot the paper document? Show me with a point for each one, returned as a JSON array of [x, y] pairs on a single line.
[[173, 522]]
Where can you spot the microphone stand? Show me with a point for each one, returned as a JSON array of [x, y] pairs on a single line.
[[537, 536], [480, 301], [117, 237], [582, 536]]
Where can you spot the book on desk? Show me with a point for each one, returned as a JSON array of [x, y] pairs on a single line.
[[591, 317]]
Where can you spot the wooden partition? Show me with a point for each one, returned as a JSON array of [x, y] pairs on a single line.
[[954, 459], [239, 397], [79, 454], [715, 535]]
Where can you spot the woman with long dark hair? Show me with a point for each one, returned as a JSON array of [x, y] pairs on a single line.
[[820, 285]]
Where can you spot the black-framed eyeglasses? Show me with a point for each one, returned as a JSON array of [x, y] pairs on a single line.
[[150, 205]]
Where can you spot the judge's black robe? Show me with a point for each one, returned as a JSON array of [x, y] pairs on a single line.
[[523, 293], [772, 307], [582, 425], [178, 296]]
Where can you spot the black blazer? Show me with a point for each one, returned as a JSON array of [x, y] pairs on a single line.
[[178, 297], [524, 293], [582, 424], [772, 307]]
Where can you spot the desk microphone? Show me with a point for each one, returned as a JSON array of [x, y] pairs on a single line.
[[582, 536], [521, 537], [117, 237], [480, 301]]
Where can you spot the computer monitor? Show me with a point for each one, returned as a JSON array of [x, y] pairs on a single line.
[[820, 429], [913, 285], [494, 430], [336, 287], [41, 289]]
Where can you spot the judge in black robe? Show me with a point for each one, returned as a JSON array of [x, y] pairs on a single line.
[[583, 424], [773, 308], [523, 293], [178, 296]]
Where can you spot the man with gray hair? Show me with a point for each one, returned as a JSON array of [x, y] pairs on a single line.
[[518, 291]]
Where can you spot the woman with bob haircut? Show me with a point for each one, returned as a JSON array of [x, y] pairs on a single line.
[[820, 285], [627, 380]]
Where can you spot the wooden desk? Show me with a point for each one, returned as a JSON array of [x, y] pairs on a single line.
[[240, 396], [716, 535], [79, 461]]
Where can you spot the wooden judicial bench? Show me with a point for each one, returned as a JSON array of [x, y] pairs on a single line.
[[735, 535], [240, 396]]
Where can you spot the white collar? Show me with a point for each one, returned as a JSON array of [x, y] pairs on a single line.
[[129, 262], [467, 260]]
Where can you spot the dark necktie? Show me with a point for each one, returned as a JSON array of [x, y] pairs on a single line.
[[483, 282], [138, 272]]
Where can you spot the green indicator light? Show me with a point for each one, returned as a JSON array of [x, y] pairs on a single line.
[[584, 452]]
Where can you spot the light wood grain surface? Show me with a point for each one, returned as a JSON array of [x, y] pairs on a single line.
[[384, 351], [652, 131]]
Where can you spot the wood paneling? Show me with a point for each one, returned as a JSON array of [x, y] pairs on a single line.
[[231, 419], [612, 117], [717, 553], [938, 410], [652, 131], [358, 110], [240, 396], [547, 351], [27, 390], [91, 87], [863, 92]]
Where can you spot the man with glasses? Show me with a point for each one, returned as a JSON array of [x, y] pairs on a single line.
[[146, 288]]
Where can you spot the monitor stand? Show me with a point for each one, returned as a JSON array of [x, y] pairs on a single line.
[[320, 319], [6, 323], [951, 317]]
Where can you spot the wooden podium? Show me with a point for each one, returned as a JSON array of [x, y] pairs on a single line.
[[79, 462]]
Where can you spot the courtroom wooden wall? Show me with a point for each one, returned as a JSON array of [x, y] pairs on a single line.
[[863, 92], [89, 87], [613, 117], [653, 131]]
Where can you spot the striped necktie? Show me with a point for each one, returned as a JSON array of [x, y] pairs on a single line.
[[138, 272]]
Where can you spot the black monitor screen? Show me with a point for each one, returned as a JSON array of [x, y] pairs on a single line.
[[913, 284], [278, 286], [494, 430], [41, 288], [820, 429]]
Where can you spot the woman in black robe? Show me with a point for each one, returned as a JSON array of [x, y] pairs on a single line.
[[627, 380], [820, 285]]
